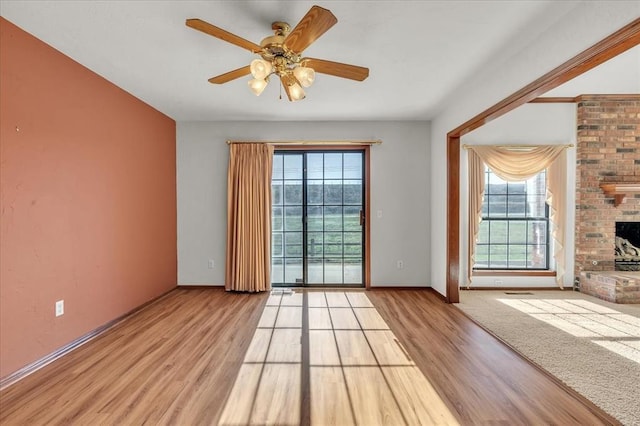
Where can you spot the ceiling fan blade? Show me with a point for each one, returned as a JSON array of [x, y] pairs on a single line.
[[315, 23], [207, 28], [337, 69], [231, 75]]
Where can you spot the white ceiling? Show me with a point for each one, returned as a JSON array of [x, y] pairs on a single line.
[[418, 52]]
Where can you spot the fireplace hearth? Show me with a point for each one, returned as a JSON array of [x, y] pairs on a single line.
[[627, 250]]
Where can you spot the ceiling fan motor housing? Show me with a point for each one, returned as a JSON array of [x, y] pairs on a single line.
[[275, 51]]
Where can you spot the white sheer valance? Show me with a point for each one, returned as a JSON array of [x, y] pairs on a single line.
[[516, 164]]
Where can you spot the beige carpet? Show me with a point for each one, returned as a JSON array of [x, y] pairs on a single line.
[[591, 345]]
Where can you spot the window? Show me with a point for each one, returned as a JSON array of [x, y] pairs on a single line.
[[514, 232]]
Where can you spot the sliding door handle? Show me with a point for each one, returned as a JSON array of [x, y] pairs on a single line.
[[361, 218]]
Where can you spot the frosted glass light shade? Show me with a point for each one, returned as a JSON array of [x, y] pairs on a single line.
[[257, 86], [305, 75], [260, 69], [296, 92]]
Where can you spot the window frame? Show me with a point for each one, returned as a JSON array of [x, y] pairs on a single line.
[[527, 219]]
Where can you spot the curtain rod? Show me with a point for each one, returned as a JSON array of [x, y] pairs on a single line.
[[466, 146], [312, 142]]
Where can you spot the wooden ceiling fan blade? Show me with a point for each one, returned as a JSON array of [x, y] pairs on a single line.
[[231, 75], [207, 28], [315, 23], [337, 69]]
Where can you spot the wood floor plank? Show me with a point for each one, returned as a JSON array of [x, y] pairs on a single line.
[[319, 319], [387, 348], [268, 318], [373, 402], [294, 299], [337, 299], [353, 348], [289, 316], [418, 401], [278, 398], [370, 319], [343, 318], [239, 405], [316, 299], [322, 348], [285, 345], [358, 299], [331, 404], [257, 351], [274, 300]]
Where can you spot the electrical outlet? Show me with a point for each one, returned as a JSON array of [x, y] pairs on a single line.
[[400, 264], [379, 214], [212, 264], [497, 282], [59, 308]]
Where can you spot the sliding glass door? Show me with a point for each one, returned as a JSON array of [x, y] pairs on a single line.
[[317, 218]]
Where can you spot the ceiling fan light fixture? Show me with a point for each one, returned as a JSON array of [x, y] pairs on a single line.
[[257, 86], [260, 69], [304, 75], [296, 92], [281, 54]]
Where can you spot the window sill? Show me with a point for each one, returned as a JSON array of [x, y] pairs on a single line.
[[512, 273]]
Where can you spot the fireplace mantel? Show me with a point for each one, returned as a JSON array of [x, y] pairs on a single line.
[[619, 190]]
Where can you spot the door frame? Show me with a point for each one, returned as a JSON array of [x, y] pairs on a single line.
[[366, 232]]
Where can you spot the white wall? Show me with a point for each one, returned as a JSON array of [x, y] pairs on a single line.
[[538, 124], [400, 187], [586, 24]]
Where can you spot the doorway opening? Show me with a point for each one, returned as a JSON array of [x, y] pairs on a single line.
[[318, 218]]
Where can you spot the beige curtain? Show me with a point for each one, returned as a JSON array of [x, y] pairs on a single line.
[[557, 200], [249, 217], [518, 164], [476, 197]]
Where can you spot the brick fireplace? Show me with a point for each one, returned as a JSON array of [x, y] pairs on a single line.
[[608, 154], [627, 256]]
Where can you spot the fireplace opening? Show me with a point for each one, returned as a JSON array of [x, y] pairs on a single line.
[[627, 257]]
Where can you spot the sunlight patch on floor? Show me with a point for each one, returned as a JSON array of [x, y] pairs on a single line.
[[606, 327], [357, 370], [628, 349]]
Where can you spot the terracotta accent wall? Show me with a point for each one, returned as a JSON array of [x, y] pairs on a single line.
[[608, 149], [88, 200]]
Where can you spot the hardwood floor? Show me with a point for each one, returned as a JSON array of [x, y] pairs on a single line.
[[485, 382], [177, 361]]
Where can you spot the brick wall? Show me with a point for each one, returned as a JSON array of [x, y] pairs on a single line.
[[608, 150]]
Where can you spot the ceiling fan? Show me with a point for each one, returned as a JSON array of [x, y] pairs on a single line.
[[281, 54]]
